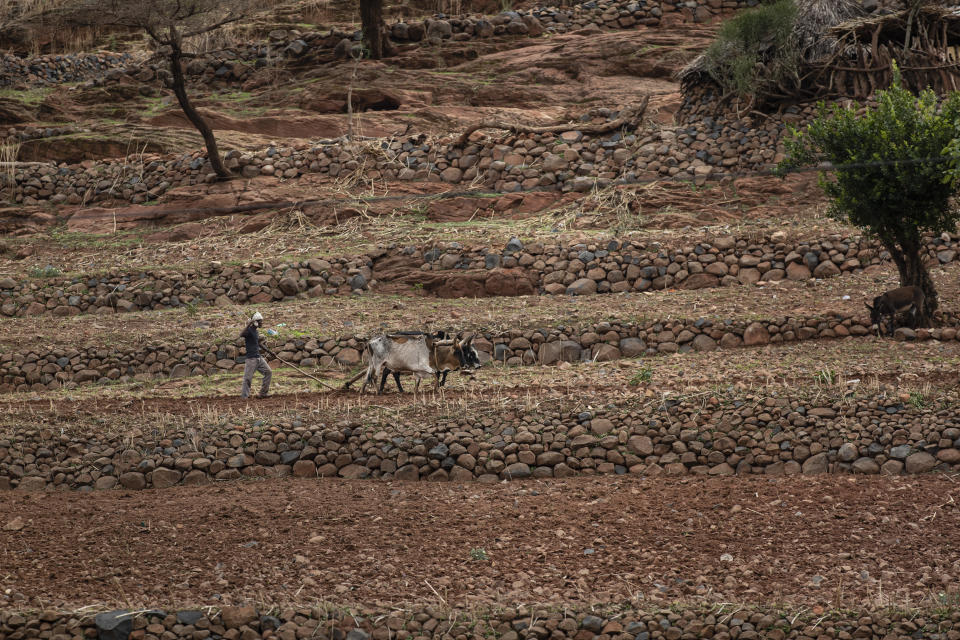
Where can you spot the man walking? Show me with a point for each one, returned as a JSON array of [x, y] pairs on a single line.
[[255, 362]]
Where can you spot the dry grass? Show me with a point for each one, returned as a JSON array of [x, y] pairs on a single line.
[[19, 9], [665, 213], [9, 153]]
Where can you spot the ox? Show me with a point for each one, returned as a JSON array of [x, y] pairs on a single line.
[[460, 355], [407, 351]]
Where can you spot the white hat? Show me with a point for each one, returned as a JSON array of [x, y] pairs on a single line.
[[256, 317]]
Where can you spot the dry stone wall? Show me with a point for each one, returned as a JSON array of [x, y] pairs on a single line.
[[451, 270], [17, 135], [766, 435], [54, 368], [707, 146], [294, 45], [572, 161], [57, 69], [520, 623]]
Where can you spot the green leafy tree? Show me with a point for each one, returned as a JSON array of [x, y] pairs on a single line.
[[891, 172]]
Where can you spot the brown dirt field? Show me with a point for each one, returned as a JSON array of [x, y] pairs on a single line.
[[825, 540]]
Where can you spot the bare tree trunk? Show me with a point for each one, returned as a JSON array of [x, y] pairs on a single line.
[[908, 255], [374, 29], [180, 90]]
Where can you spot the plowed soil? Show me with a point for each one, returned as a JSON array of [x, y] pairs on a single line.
[[835, 541]]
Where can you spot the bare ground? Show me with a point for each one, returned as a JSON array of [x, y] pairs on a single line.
[[835, 541]]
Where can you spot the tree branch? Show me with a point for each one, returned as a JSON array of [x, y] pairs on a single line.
[[629, 116], [153, 34], [213, 27]]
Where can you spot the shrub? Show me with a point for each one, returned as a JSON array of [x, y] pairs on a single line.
[[755, 49]]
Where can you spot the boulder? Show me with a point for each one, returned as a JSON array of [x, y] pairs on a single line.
[[865, 465], [582, 287], [133, 480], [305, 469], [704, 342], [848, 452], [601, 426], [348, 357], [798, 271], [288, 286], [114, 625], [640, 445], [603, 352], [950, 456], [700, 281], [180, 371], [826, 269], [163, 477], [439, 29], [236, 617], [815, 464], [516, 471], [920, 462], [408, 472], [756, 334], [632, 347]]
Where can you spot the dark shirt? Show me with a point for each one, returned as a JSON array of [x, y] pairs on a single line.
[[252, 339]]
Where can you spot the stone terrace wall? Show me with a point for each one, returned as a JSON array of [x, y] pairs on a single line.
[[572, 161], [521, 623], [303, 47], [773, 436], [57, 69], [704, 148], [292, 45], [450, 270], [27, 133], [52, 368]]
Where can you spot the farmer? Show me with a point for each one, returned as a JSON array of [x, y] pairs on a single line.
[[255, 362]]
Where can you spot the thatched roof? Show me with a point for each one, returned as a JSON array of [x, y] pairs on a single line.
[[815, 21], [812, 29]]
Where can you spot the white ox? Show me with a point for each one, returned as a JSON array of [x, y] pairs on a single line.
[[398, 353]]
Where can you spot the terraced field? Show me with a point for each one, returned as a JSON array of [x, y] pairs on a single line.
[[685, 425]]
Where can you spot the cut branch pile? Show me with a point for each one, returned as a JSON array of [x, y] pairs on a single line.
[[629, 118], [923, 40]]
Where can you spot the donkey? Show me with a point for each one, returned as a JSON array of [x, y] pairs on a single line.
[[903, 300]]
